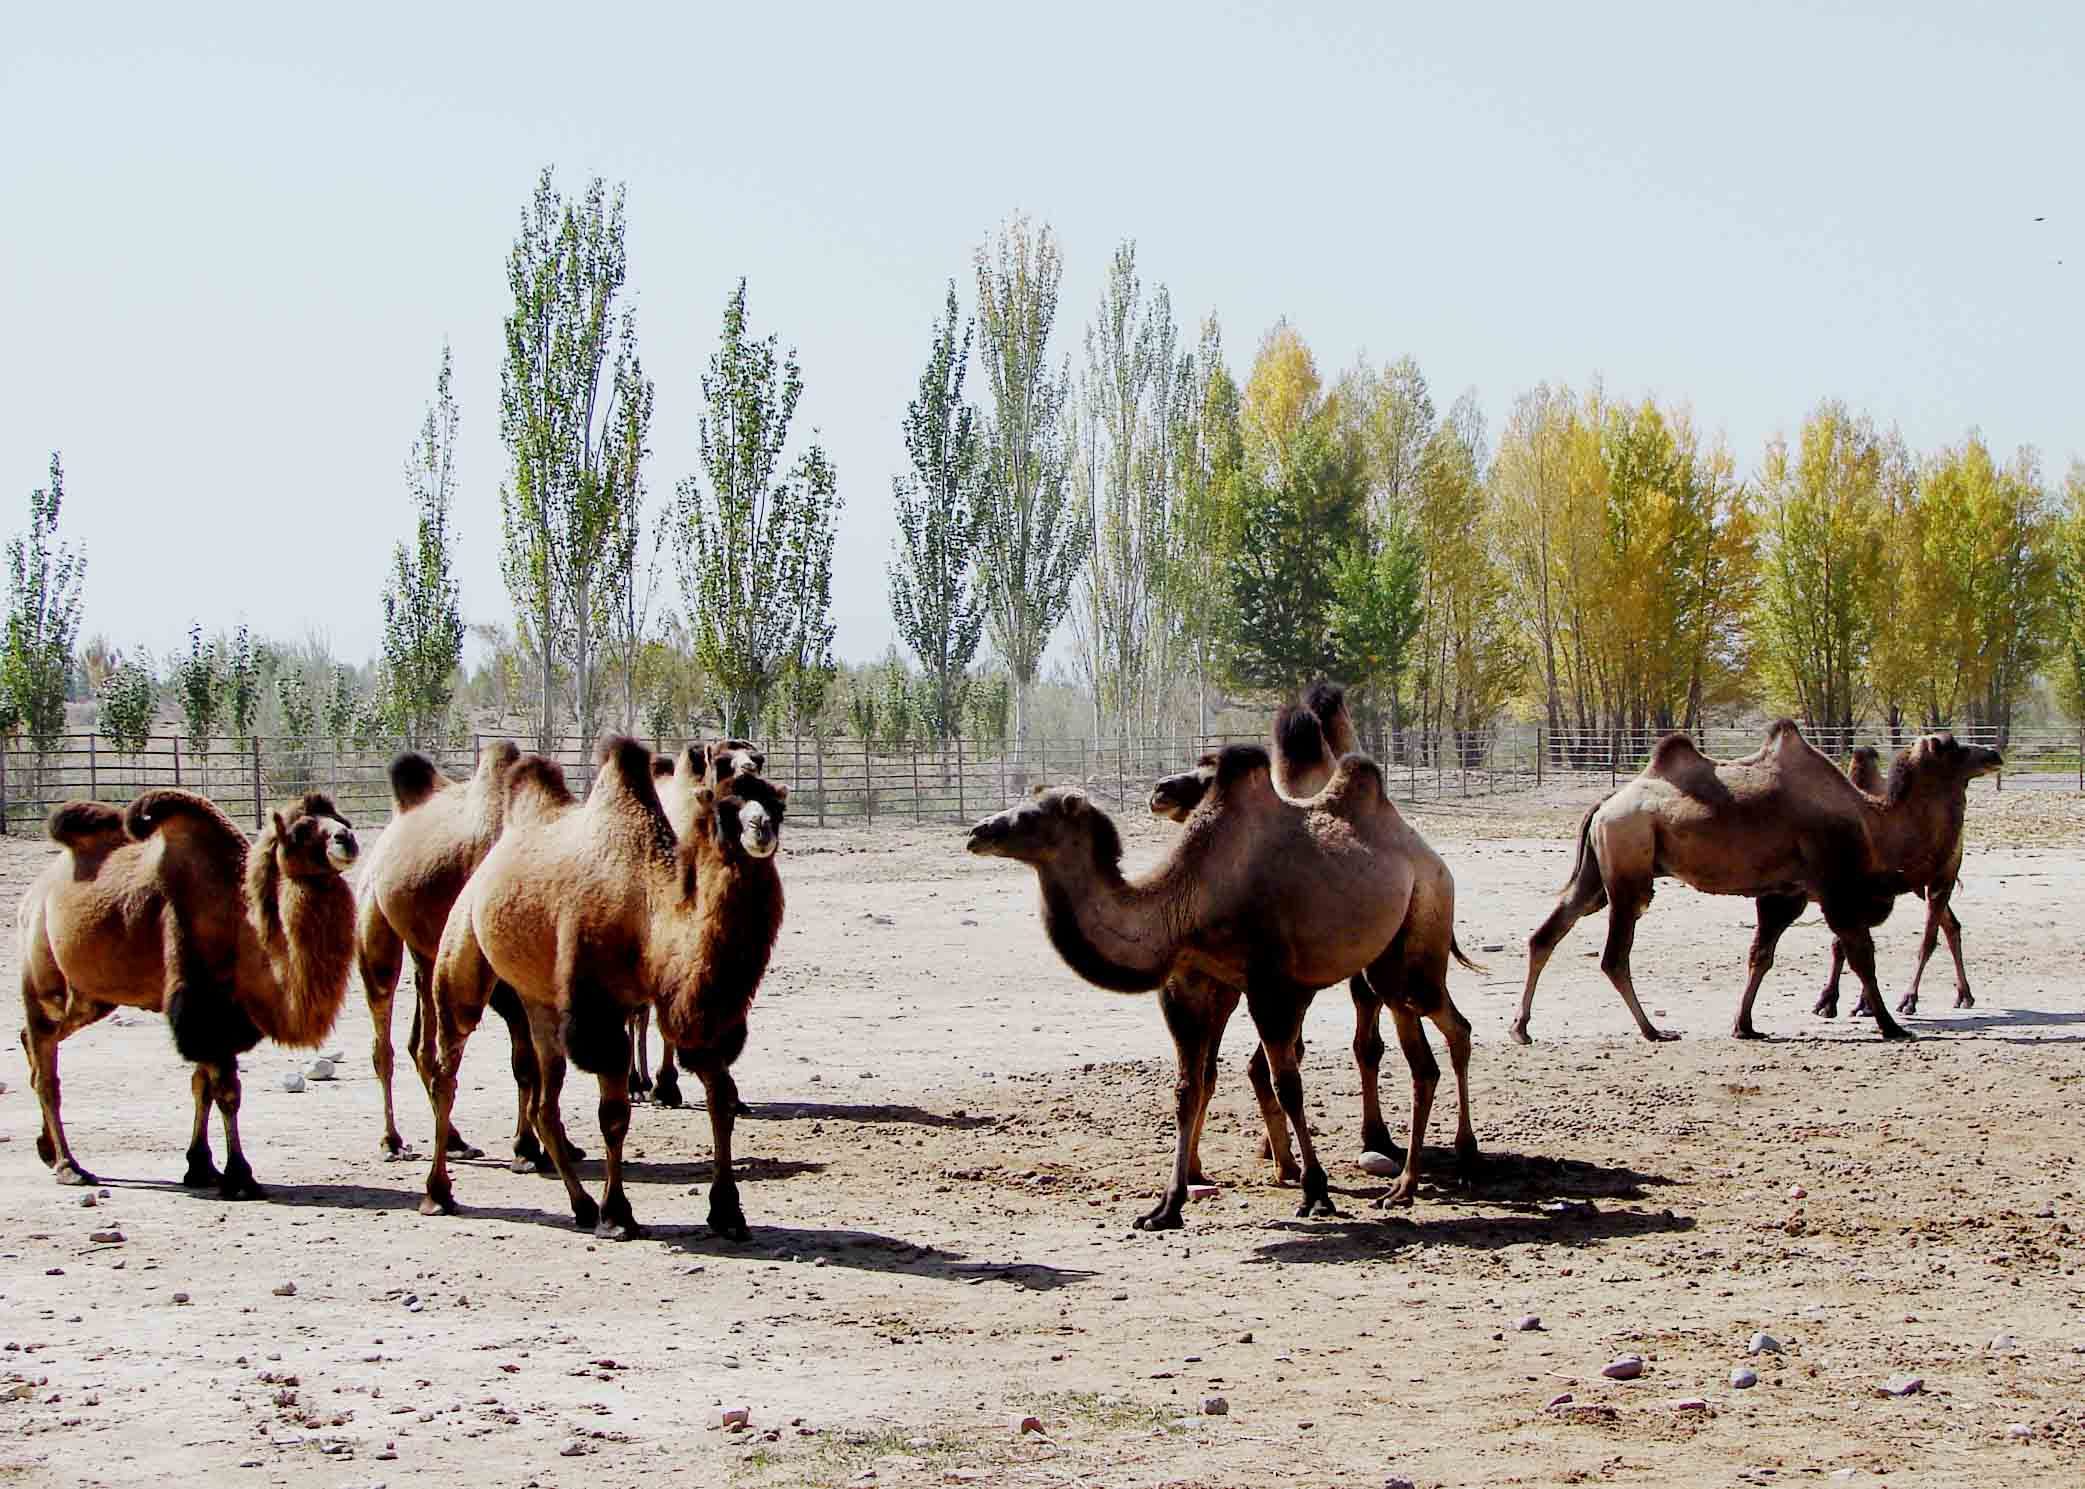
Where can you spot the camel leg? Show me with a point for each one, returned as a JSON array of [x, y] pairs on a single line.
[[1188, 1018], [1777, 912], [452, 1002], [1426, 1076], [666, 1085], [41, 1036], [1368, 1061], [1938, 917], [202, 1169], [1221, 1002], [380, 958], [640, 1072], [1622, 913], [238, 1182], [1860, 956], [1455, 1031], [616, 1223], [550, 1119], [529, 1157], [1277, 1009], [1827, 1005], [1585, 895], [720, 1092], [1953, 927], [417, 1039], [1275, 1142]]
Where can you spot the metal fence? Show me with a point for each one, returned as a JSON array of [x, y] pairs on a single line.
[[847, 781]]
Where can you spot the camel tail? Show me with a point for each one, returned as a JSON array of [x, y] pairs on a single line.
[[1585, 843], [1455, 950], [85, 824], [414, 778]]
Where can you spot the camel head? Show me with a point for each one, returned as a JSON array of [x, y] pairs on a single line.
[[313, 839], [723, 758], [746, 815], [1864, 769], [1176, 796], [1054, 820], [1940, 761]]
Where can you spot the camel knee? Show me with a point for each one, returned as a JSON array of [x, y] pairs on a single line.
[[1288, 1089], [615, 1118]]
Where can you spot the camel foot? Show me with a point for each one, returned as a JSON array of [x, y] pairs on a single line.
[[1898, 1031], [1865, 1008], [529, 1157], [202, 1173], [392, 1147], [666, 1091], [46, 1150], [438, 1202], [1266, 1148], [1743, 1030], [238, 1181], [1287, 1175], [1317, 1196], [740, 1109], [1520, 1034], [1468, 1157], [725, 1216], [1827, 1006], [1401, 1195], [72, 1175], [617, 1223], [585, 1213], [1908, 1004], [1377, 1139], [1165, 1217], [1963, 1000], [462, 1147], [1661, 1036], [640, 1087]]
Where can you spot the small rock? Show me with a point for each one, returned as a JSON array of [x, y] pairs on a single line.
[[1024, 1425], [1589, 1411], [1200, 1192], [101, 1194], [1623, 1367], [107, 1237], [1558, 1401], [2003, 1344], [320, 1070], [1246, 1338], [1215, 1406], [2019, 1430], [1796, 1191], [293, 1081], [573, 1448], [1528, 1323], [285, 1289], [1398, 1481], [866, 1075], [1763, 1344], [1743, 1378], [1382, 1165], [1903, 1385], [388, 1453], [732, 1417], [180, 1297], [1689, 1403], [88, 1201]]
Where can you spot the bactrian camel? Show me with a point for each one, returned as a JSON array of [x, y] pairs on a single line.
[[1308, 738], [1258, 892], [1783, 826], [165, 906], [587, 910], [440, 830]]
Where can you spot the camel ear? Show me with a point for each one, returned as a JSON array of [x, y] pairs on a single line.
[[282, 829], [1076, 804], [703, 797]]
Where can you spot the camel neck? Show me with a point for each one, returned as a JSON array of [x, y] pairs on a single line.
[[1918, 832], [1111, 932]]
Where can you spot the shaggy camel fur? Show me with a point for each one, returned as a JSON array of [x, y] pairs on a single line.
[[1305, 737], [1783, 826], [1277, 897], [440, 830], [164, 906], [587, 910], [681, 780], [1865, 771]]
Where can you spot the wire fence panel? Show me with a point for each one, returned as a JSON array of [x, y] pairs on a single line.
[[835, 781]]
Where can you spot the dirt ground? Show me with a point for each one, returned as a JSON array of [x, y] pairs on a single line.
[[950, 1137]]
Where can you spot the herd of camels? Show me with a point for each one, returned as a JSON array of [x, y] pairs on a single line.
[[578, 921]]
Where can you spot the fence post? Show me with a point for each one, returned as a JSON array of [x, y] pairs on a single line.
[[177, 759], [961, 814], [1538, 754], [915, 780], [818, 761], [3, 787], [256, 781], [93, 771], [1121, 778], [868, 784]]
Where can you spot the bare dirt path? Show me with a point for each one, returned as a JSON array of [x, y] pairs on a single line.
[[951, 1135]]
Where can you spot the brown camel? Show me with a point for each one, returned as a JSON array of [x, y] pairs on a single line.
[[681, 779], [440, 830], [164, 906], [586, 910], [1307, 739], [1865, 771], [1783, 826], [1278, 897]]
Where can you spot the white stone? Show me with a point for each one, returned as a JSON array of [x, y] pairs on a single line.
[[1382, 1165], [733, 1416], [1763, 1344], [1623, 1367], [293, 1081], [2019, 1430], [320, 1069], [285, 1289], [1743, 1378], [1215, 1406], [1528, 1323]]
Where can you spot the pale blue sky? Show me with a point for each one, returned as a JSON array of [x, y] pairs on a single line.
[[235, 241]]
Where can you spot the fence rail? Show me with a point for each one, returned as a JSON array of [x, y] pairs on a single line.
[[834, 781]]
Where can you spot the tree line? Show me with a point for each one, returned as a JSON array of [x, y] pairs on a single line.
[[1208, 543]]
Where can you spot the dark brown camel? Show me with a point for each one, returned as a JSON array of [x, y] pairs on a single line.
[[1304, 739], [586, 910], [440, 830], [1783, 826], [1277, 897], [1865, 771], [681, 779], [165, 906]]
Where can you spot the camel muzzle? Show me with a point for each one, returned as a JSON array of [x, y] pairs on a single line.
[[985, 836], [341, 848]]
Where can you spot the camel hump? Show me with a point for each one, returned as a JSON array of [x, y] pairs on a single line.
[[85, 824], [627, 763], [414, 778], [1676, 759], [155, 810], [1328, 700], [495, 758], [539, 780], [1239, 762], [662, 767], [1865, 770], [1299, 743], [1357, 782]]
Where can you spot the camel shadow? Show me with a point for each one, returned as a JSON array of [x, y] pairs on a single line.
[[700, 1170], [868, 1251], [1506, 1177], [840, 1111], [1348, 1238], [1981, 1020]]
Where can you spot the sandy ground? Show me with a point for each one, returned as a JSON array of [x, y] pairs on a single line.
[[951, 1135]]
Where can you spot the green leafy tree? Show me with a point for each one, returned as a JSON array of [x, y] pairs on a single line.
[[241, 698], [129, 699], [2067, 548], [1209, 448], [934, 595], [988, 708], [574, 443], [44, 578], [342, 705], [754, 539], [1036, 534], [864, 714], [199, 680], [1375, 611], [895, 702], [423, 613]]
